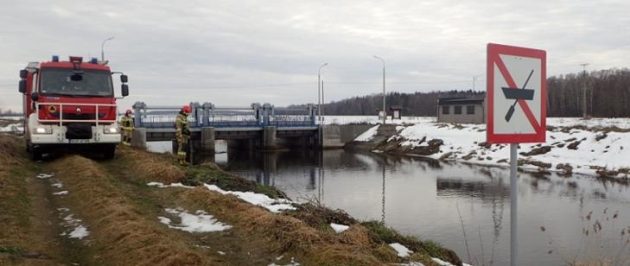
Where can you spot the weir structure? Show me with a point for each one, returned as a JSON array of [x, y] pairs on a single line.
[[258, 126]]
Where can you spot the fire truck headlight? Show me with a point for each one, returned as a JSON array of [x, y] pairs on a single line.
[[42, 130], [110, 130]]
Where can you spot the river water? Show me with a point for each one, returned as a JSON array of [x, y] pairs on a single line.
[[463, 207]]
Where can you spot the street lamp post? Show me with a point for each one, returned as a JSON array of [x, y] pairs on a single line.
[[103, 46], [584, 113], [474, 81], [320, 92], [384, 111]]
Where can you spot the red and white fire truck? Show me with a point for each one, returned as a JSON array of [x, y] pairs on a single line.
[[70, 105]]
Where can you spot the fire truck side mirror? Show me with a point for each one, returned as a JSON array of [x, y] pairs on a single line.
[[124, 90], [123, 78], [23, 74], [22, 86], [35, 96]]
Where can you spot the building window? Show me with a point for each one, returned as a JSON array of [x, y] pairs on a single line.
[[470, 110], [446, 109], [458, 109]]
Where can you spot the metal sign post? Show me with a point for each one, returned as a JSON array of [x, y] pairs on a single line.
[[513, 203], [521, 111]]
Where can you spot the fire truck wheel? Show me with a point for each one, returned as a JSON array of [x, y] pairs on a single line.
[[109, 151], [36, 153]]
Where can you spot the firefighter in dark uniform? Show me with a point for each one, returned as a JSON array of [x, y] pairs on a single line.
[[182, 133], [126, 126]]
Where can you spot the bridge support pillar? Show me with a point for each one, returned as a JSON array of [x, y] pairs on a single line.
[[269, 138], [139, 138], [207, 139]]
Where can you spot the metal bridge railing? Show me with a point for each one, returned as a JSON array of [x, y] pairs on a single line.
[[298, 117], [208, 115]]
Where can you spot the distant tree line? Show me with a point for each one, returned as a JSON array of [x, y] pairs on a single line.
[[608, 95], [9, 112], [417, 104]]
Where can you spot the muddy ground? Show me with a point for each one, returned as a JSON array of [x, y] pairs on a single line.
[[41, 217]]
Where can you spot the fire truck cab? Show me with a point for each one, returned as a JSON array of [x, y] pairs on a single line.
[[70, 105]]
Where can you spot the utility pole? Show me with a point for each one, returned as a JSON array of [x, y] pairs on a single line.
[[474, 81], [319, 93], [323, 101], [584, 113], [384, 111]]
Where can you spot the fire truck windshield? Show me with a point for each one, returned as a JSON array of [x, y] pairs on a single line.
[[76, 83]]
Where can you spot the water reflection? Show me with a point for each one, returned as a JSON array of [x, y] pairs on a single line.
[[419, 197], [483, 190]]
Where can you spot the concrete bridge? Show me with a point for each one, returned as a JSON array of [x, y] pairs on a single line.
[[257, 126]]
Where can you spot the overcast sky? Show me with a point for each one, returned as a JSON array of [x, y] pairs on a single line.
[[233, 53]]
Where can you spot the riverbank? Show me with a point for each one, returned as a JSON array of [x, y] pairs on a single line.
[[597, 147], [142, 208]]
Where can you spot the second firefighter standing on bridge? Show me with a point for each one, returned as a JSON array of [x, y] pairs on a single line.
[[182, 133]]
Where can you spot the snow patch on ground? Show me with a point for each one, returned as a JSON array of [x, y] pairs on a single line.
[[446, 263], [57, 184], [60, 193], [79, 232], [162, 185], [402, 251], [339, 227], [44, 176], [595, 150], [73, 226], [200, 222], [367, 135], [273, 205], [622, 123], [411, 263], [291, 263], [356, 119], [12, 128]]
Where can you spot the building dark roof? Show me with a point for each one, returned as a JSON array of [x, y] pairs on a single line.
[[461, 100]]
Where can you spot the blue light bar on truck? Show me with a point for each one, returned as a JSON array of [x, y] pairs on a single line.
[[55, 58]]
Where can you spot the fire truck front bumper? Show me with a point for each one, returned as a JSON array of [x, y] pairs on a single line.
[[75, 134]]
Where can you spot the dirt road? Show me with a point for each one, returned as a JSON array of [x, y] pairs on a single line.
[[75, 210]]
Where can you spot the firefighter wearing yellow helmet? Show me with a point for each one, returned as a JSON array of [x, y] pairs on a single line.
[[182, 133]]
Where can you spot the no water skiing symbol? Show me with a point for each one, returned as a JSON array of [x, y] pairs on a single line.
[[517, 94]]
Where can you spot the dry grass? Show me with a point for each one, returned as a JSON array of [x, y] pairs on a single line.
[[284, 234], [122, 235], [11, 152], [316, 215], [23, 224], [12, 202], [152, 167]]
